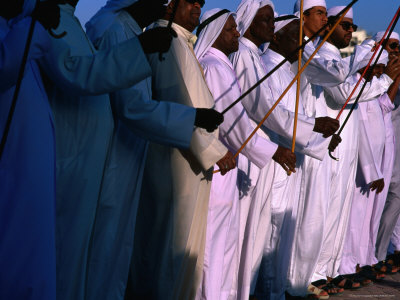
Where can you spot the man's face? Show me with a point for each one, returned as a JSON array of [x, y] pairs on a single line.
[[392, 46], [11, 8], [315, 19], [228, 40], [187, 14], [343, 33], [262, 27], [288, 38]]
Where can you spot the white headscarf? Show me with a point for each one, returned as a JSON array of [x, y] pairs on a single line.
[[308, 4], [280, 24], [377, 37], [103, 19], [211, 32], [363, 53], [333, 11], [246, 12]]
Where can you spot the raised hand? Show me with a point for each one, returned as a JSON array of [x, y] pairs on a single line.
[[377, 185], [286, 159], [226, 163], [326, 125], [208, 119], [158, 39]]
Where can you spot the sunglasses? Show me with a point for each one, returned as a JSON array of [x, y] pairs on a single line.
[[347, 25], [394, 45], [200, 2]]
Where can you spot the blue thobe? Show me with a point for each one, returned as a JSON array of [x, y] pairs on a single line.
[[137, 118], [27, 172], [84, 127]]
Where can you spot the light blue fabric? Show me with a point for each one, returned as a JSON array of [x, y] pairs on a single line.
[[27, 172], [84, 127], [137, 118]]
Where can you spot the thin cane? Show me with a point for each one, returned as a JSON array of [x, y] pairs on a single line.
[[245, 94], [291, 83], [169, 26], [386, 36], [17, 88]]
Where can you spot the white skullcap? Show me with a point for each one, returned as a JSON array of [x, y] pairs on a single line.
[[105, 17], [308, 4], [333, 11], [246, 12], [211, 32], [280, 24], [377, 37]]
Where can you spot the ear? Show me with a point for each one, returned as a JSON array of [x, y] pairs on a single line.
[[275, 38]]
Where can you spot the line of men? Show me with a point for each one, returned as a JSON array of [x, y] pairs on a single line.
[[108, 194]]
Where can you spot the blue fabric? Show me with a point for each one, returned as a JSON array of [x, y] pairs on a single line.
[[27, 174]]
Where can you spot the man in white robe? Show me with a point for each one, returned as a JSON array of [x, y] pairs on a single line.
[[250, 17], [391, 210], [369, 180], [217, 40], [171, 228]]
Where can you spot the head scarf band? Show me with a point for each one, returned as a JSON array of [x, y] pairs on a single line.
[[210, 19], [211, 31]]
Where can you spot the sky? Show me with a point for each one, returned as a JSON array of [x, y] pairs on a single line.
[[371, 15]]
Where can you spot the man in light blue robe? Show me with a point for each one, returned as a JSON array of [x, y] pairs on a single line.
[[27, 166]]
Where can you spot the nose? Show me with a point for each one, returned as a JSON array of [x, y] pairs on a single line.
[[237, 34]]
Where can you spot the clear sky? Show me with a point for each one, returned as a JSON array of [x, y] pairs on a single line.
[[372, 15]]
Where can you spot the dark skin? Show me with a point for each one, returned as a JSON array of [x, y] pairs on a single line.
[[340, 37], [187, 14], [228, 42], [314, 19], [146, 12], [285, 43], [262, 27]]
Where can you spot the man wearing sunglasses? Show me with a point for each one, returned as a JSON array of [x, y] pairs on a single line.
[[391, 212], [170, 233]]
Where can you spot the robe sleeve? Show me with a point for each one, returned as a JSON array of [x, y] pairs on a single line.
[[12, 50], [373, 89], [106, 71], [259, 101], [324, 72], [236, 127], [165, 123], [178, 79]]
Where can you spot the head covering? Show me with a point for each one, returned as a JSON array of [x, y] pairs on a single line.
[[284, 20], [377, 37], [308, 4], [246, 12], [103, 19], [211, 32], [333, 11]]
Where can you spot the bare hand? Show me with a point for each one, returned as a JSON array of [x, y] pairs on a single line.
[[393, 67], [208, 119], [47, 13], [326, 125], [158, 39], [335, 141], [226, 163], [377, 185], [286, 159]]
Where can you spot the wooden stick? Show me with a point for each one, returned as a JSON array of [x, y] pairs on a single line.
[[291, 83]]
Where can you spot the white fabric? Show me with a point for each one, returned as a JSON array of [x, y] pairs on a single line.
[[395, 239], [372, 135], [335, 10], [210, 33], [280, 24], [246, 12], [378, 36], [176, 185], [308, 4], [221, 261], [105, 17]]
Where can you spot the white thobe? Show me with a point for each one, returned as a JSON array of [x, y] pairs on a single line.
[[279, 123], [137, 119], [171, 223], [343, 172], [372, 138], [395, 239], [221, 260]]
